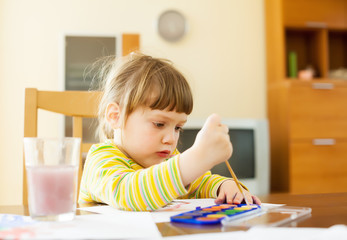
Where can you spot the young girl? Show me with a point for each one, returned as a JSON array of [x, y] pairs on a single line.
[[137, 167]]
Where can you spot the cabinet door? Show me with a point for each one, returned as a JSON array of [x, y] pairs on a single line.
[[314, 13], [318, 168], [318, 110]]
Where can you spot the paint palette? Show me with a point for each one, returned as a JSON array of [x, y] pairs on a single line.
[[214, 214]]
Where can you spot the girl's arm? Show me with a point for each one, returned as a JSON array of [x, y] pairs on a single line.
[[111, 180], [212, 146], [206, 186]]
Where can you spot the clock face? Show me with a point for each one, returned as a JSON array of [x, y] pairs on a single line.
[[171, 25]]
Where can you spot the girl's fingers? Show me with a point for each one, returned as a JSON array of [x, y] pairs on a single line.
[[229, 198], [238, 198], [221, 198], [256, 200], [225, 128]]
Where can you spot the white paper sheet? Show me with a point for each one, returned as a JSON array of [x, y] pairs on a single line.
[[175, 207], [93, 226], [162, 214]]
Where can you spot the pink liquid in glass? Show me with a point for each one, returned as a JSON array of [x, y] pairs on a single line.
[[52, 190]]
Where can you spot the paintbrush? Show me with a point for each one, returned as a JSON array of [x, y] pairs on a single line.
[[236, 180]]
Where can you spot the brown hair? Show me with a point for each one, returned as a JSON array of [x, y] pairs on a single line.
[[141, 80]]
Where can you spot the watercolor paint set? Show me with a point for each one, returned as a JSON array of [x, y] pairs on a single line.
[[216, 213], [270, 217]]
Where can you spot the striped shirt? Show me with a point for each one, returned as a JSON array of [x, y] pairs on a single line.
[[111, 177]]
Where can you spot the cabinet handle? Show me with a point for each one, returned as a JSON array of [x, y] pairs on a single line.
[[323, 141], [327, 86], [316, 24]]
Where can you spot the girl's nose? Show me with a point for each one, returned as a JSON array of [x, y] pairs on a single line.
[[169, 137]]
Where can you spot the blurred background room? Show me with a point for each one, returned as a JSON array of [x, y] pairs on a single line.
[[235, 55], [222, 55]]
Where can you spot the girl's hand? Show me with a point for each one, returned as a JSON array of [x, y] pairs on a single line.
[[228, 192], [212, 146], [213, 141]]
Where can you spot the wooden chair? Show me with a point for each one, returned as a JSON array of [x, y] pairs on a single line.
[[77, 104]]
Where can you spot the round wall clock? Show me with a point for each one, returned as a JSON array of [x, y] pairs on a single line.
[[172, 25]]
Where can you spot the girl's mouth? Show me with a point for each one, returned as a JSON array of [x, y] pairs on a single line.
[[163, 154]]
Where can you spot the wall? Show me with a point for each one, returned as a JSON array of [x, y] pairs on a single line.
[[222, 55]]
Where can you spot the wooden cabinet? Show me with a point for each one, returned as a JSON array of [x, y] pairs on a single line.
[[308, 118], [317, 136], [314, 13], [318, 168], [318, 109]]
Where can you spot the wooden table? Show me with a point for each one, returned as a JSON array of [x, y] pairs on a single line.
[[327, 210]]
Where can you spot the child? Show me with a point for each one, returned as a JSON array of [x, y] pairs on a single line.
[[137, 167]]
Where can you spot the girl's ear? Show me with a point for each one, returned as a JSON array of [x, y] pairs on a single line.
[[113, 115]]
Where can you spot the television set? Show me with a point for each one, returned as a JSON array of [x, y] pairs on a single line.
[[250, 159]]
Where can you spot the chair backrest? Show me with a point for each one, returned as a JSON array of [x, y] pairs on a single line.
[[77, 104]]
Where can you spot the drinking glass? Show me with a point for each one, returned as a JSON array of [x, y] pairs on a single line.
[[52, 168]]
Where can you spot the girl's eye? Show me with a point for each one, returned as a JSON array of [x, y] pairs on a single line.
[[179, 129], [159, 125]]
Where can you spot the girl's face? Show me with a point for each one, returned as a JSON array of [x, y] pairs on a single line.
[[150, 136]]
